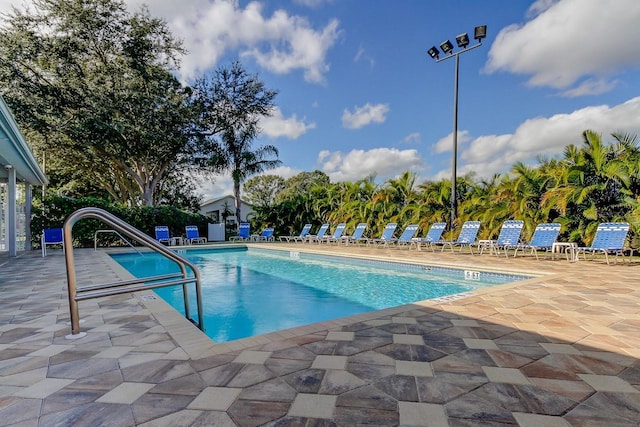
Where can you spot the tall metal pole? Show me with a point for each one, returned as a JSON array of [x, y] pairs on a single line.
[[454, 159]]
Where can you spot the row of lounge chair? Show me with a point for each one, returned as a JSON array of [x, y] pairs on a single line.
[[191, 232], [244, 234], [54, 236], [609, 239]]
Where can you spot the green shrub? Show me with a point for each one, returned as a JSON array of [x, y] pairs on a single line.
[[53, 210]]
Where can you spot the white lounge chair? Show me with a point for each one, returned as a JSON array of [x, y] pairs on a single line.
[[244, 233], [433, 236], [466, 238], [193, 235], [609, 239], [300, 237]]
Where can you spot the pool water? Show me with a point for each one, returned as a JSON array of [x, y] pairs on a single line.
[[248, 292]]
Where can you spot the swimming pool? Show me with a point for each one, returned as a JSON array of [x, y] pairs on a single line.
[[250, 291]]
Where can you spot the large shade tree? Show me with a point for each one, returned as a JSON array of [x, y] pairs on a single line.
[[95, 83]]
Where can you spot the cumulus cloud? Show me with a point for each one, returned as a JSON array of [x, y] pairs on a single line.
[[571, 42], [280, 43], [365, 115], [277, 125], [546, 136], [358, 164]]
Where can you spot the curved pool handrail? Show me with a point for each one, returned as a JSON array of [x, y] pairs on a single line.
[[94, 291]]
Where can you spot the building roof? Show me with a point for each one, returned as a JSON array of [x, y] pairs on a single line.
[[15, 151], [217, 199]]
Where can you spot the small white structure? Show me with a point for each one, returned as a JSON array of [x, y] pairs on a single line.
[[19, 171], [214, 208]]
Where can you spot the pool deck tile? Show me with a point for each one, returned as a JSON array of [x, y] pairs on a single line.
[[556, 350]]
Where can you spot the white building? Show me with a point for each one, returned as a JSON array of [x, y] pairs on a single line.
[[19, 171], [214, 208]]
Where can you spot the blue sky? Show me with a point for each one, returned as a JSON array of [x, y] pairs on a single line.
[[358, 94]]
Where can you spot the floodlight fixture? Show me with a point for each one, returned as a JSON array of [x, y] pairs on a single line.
[[446, 47], [434, 52], [480, 32], [462, 40]]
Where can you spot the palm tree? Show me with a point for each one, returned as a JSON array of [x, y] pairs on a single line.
[[236, 157], [594, 183]]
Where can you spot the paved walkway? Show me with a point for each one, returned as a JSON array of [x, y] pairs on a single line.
[[554, 351]]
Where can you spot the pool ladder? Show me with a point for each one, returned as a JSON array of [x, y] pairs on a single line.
[[126, 286]]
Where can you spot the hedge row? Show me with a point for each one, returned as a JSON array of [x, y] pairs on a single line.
[[53, 210]]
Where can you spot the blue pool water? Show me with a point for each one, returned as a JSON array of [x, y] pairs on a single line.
[[249, 292]]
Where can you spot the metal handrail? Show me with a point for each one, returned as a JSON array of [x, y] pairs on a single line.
[[125, 286], [95, 239]]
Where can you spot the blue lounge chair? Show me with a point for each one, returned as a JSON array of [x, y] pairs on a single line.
[[386, 236], [162, 234], [335, 237], [406, 237], [433, 236], [244, 232], [193, 235], [609, 239], [265, 236], [300, 237], [357, 235], [509, 236], [51, 236], [466, 238], [544, 236], [319, 235]]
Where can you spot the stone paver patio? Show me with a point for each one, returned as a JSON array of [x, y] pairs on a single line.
[[556, 350]]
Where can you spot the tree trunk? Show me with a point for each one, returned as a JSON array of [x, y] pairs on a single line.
[[236, 196], [147, 195]]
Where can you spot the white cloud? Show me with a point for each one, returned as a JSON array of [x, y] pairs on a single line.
[[570, 40], [546, 136], [358, 164], [277, 125], [540, 6], [5, 5], [312, 3], [365, 115], [283, 171], [361, 55], [216, 186], [304, 47], [590, 87], [281, 43], [446, 144], [412, 138]]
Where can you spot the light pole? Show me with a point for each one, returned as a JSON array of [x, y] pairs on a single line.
[[462, 40]]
